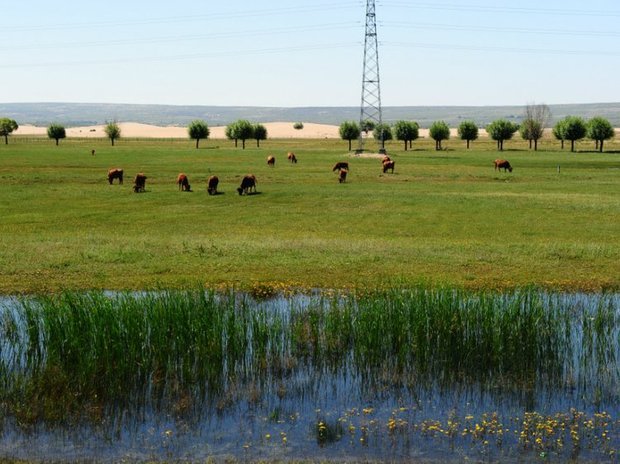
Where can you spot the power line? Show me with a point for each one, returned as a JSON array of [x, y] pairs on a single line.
[[518, 30], [173, 39], [180, 19], [486, 48], [351, 45], [189, 56], [499, 9]]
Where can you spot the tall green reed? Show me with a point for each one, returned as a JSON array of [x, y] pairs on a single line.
[[80, 353], [458, 335]]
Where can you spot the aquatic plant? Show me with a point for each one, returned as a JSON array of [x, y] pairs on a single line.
[[85, 355]]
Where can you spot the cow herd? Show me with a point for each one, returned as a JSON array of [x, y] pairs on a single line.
[[248, 182], [271, 160], [139, 184]]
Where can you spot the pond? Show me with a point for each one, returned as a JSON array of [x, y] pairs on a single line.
[[429, 374]]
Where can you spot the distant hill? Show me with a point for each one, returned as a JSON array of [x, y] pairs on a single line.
[[81, 114]]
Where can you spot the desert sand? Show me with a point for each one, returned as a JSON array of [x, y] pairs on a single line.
[[275, 130]]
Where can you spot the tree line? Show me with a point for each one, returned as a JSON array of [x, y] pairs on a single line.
[[531, 128], [197, 130], [571, 128]]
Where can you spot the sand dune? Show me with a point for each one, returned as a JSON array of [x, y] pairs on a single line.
[[275, 130], [133, 129]]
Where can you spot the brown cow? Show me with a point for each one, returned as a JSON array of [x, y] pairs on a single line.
[[247, 184], [342, 175], [388, 165], [500, 163], [212, 185], [291, 157], [340, 165], [139, 183], [115, 173], [183, 183], [271, 161]]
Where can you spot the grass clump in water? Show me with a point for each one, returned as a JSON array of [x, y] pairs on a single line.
[[91, 354]]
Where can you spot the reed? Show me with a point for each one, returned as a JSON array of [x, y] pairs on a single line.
[[87, 354]]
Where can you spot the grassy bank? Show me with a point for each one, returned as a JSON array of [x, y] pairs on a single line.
[[442, 217]]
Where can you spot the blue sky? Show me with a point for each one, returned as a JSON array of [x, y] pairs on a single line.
[[296, 53]]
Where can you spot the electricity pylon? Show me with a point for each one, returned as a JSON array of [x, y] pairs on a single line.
[[370, 110]]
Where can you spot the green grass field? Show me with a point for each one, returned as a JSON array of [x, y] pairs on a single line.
[[442, 217]]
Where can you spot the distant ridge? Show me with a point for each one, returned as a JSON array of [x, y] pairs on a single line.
[[81, 114]]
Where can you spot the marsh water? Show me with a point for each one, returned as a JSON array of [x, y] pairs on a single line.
[[430, 374]]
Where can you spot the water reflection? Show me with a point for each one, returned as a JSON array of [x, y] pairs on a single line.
[[393, 375]]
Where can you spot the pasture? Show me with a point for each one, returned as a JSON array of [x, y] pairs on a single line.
[[442, 218]]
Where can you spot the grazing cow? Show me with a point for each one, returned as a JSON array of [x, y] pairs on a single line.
[[247, 184], [388, 165], [139, 183], [340, 165], [291, 157], [183, 183], [115, 173], [271, 161], [500, 163], [342, 175], [212, 185]]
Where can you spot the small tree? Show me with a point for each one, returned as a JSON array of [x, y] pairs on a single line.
[[531, 131], [382, 133], [7, 126], [468, 130], [113, 131], [535, 120], [231, 133], [260, 133], [558, 133], [439, 131], [349, 130], [500, 130], [406, 131], [244, 130], [197, 130], [600, 129], [574, 129], [56, 132]]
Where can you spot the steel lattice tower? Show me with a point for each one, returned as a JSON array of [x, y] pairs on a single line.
[[371, 91]]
